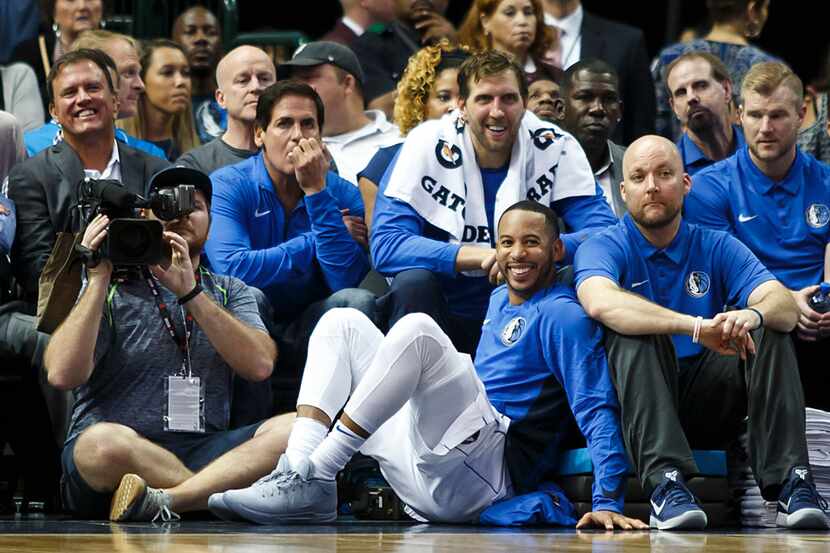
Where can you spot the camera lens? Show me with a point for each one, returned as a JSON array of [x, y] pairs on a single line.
[[134, 240]]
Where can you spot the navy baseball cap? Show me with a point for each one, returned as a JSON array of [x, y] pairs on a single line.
[[173, 176], [320, 52]]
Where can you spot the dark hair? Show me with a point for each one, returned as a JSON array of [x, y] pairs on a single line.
[[551, 219], [591, 65], [485, 64], [98, 57], [149, 47], [719, 71], [274, 93]]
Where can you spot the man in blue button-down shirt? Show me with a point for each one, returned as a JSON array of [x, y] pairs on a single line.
[[700, 92], [686, 370], [278, 225], [776, 200]]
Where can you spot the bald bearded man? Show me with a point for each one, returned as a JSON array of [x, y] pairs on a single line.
[[241, 77]]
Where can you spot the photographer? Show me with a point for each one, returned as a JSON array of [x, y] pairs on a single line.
[[151, 361]]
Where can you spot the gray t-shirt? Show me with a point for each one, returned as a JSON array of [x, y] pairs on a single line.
[[135, 353], [212, 156]]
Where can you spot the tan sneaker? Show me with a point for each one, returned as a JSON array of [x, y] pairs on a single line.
[[134, 500]]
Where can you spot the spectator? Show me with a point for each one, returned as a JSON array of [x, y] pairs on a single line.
[[700, 94], [653, 276], [814, 136], [126, 70], [516, 27], [584, 35], [130, 423], [544, 95], [433, 223], [592, 111], [197, 30], [358, 16], [164, 116], [383, 56], [44, 188], [19, 95], [277, 225], [351, 135], [242, 75], [734, 24], [63, 21], [427, 90], [776, 200]]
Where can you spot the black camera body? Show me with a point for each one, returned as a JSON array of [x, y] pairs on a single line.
[[132, 240]]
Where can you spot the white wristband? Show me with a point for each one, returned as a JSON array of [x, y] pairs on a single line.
[[696, 332]]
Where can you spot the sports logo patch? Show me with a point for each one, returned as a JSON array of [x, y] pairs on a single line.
[[513, 331], [448, 155], [543, 138], [817, 215], [697, 284]]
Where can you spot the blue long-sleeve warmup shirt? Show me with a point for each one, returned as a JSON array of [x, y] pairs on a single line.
[[402, 240], [543, 365], [296, 258]]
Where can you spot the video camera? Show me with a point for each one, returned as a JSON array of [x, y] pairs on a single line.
[[132, 240]]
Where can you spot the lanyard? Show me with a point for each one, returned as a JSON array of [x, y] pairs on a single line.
[[182, 342]]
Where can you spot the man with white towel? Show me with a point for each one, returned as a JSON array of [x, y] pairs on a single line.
[[450, 182]]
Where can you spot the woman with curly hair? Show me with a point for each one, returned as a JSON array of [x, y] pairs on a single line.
[[427, 90], [165, 115], [515, 27]]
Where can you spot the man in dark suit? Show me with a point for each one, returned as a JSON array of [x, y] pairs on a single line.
[[358, 16], [44, 188], [592, 108], [583, 35]]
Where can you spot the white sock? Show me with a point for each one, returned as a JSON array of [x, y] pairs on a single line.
[[335, 451], [306, 435]]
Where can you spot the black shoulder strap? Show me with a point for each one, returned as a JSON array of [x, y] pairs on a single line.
[[2, 96]]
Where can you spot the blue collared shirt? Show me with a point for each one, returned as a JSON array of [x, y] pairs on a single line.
[[784, 223], [695, 160], [296, 258], [50, 134], [700, 272]]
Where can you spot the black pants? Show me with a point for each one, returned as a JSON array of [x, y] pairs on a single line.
[[666, 410], [419, 291], [813, 359]]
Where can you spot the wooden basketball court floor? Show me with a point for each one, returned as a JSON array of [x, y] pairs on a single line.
[[50, 536]]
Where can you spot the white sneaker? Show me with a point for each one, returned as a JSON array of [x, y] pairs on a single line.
[[288, 495]]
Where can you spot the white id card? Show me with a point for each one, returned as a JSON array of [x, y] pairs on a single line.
[[184, 405]]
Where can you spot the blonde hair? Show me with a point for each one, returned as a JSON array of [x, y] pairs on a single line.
[[184, 131], [471, 33], [765, 78], [98, 38], [417, 82]]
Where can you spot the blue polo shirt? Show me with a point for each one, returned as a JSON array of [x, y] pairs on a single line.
[[295, 257], [700, 273], [694, 160], [784, 223]]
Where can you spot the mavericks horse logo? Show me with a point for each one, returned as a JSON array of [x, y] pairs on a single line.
[[817, 215], [449, 155], [513, 331], [697, 284]]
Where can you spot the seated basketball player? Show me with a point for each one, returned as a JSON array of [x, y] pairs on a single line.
[[450, 437]]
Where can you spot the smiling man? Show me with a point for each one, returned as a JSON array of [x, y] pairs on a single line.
[[453, 437], [700, 93], [688, 372], [277, 225], [776, 200], [434, 222], [44, 188], [241, 76]]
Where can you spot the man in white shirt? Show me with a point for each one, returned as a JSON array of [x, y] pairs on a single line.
[[584, 35], [351, 134]]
